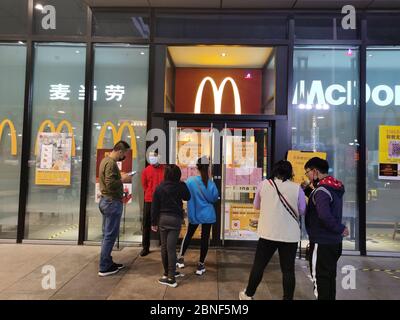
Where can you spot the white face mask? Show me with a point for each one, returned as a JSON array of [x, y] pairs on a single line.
[[153, 160]]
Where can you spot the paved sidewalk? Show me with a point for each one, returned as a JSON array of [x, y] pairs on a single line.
[[227, 273]]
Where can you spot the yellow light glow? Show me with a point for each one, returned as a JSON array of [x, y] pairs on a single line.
[[217, 92]]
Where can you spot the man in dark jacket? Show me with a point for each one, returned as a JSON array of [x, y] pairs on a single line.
[[324, 227]]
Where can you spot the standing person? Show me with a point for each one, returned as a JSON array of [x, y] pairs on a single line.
[[201, 210], [167, 215], [324, 227], [111, 188], [152, 176], [281, 202]]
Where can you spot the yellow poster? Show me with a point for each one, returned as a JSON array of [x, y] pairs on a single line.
[[389, 152], [53, 160], [298, 159]]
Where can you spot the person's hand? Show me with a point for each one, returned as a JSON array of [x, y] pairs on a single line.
[[125, 178], [345, 232], [154, 228]]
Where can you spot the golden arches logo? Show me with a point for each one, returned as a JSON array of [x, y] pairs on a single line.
[[217, 92], [13, 134], [50, 124], [117, 135]]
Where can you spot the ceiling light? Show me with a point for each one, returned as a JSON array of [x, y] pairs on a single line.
[[61, 112], [142, 53]]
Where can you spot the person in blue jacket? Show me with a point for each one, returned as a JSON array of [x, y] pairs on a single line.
[[201, 210]]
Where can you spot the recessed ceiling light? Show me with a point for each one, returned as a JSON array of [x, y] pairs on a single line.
[[20, 42], [39, 7], [60, 111], [77, 51], [142, 53]]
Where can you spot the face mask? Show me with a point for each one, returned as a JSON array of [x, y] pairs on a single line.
[[153, 160]]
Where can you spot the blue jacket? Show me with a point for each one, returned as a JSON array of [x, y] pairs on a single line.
[[324, 213], [201, 204]]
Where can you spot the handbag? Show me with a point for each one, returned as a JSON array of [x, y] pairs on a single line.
[[285, 203]]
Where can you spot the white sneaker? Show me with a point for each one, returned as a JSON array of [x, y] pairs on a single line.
[[244, 296], [200, 269], [180, 263]]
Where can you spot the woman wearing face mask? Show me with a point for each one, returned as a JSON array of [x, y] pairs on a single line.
[[201, 210], [152, 176]]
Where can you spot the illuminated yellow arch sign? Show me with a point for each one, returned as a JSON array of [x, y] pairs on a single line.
[[50, 124], [13, 134], [117, 135], [217, 92]]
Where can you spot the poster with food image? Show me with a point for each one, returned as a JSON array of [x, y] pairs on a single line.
[[53, 161], [241, 221], [389, 152]]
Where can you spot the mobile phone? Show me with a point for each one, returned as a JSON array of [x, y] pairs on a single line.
[[132, 173]]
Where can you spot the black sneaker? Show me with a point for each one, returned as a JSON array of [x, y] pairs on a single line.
[[200, 269], [168, 282], [119, 265], [180, 263], [144, 252], [111, 270]]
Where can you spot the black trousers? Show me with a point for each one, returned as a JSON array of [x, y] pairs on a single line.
[[323, 264], [205, 237], [287, 256], [146, 224]]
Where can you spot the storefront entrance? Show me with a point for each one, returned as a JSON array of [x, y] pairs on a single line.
[[240, 157]]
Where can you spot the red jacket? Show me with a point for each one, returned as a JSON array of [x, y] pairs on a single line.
[[151, 178]]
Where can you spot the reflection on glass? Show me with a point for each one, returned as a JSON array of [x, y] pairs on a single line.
[[12, 82], [119, 113], [325, 114], [244, 167], [55, 165], [383, 100]]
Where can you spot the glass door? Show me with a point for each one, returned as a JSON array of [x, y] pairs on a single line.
[[245, 164]]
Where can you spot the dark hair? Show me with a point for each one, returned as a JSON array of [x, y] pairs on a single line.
[[121, 146], [202, 165], [317, 163], [172, 173], [282, 170]]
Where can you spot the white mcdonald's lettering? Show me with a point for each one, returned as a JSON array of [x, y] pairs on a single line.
[[13, 134], [50, 124], [217, 92], [117, 135]]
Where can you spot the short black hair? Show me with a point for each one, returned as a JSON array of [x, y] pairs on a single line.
[[121, 146], [317, 163], [282, 170], [172, 173]]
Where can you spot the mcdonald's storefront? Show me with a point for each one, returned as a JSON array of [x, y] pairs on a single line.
[[221, 81]]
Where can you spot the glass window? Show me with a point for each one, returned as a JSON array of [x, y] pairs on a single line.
[[383, 143], [13, 16], [12, 90], [60, 17], [119, 112], [324, 117], [121, 24], [55, 159], [197, 26]]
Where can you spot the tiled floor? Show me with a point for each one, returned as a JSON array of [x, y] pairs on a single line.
[[76, 269]]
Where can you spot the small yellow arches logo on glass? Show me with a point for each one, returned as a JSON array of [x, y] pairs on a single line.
[[217, 92], [50, 124], [13, 134], [117, 135]]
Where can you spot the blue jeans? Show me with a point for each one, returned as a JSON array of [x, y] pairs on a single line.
[[112, 211]]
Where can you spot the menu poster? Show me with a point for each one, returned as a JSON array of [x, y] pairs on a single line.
[[298, 159], [53, 161], [124, 166], [389, 152], [241, 221]]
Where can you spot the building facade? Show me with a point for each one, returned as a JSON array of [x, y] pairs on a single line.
[[297, 79]]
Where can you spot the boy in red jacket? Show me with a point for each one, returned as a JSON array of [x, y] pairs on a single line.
[[152, 176]]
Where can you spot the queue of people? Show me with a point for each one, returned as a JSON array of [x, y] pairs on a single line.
[[281, 203]]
